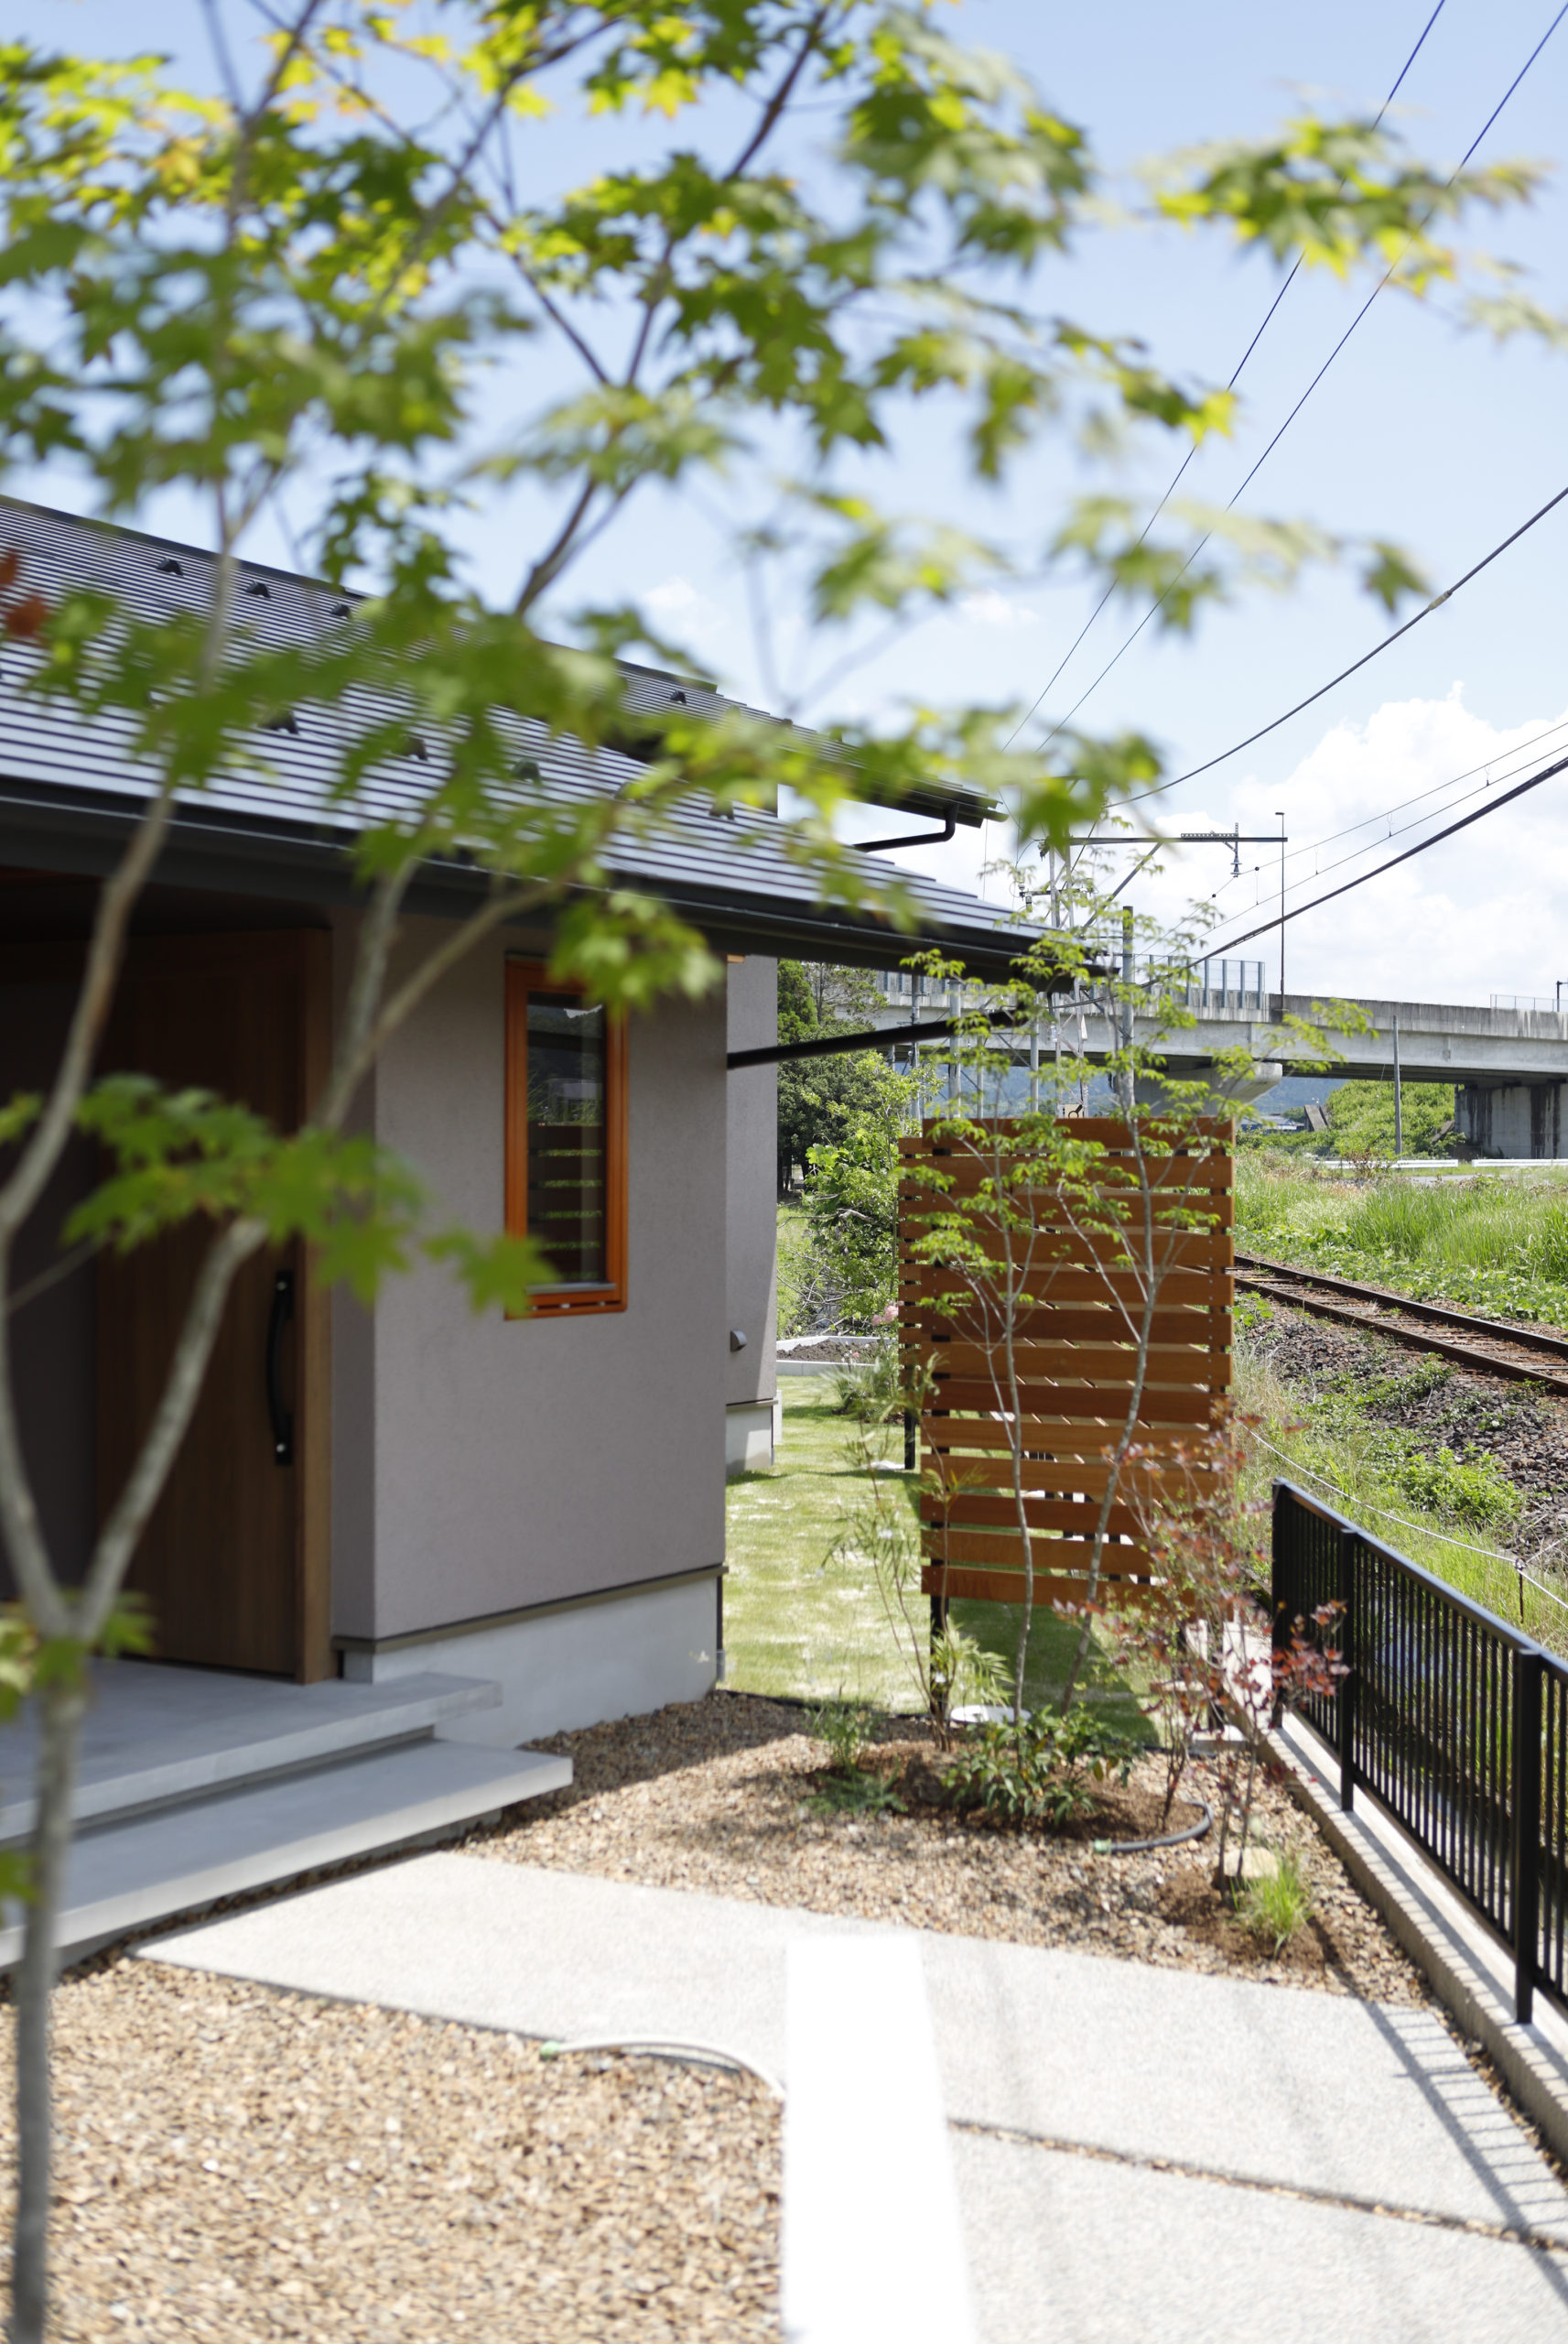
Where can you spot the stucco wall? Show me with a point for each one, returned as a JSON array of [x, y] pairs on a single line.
[[520, 1462], [752, 1152]]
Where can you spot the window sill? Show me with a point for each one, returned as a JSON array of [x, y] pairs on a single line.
[[555, 1305]]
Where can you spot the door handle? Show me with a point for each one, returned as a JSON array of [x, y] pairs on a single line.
[[282, 1422]]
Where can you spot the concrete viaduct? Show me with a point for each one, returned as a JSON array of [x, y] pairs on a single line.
[[1508, 1066]]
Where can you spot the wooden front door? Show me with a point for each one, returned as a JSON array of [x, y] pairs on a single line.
[[234, 1561]]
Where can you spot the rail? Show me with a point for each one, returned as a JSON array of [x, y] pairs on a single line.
[[1455, 1724], [1519, 1354]]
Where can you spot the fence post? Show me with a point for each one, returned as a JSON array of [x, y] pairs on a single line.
[[1280, 1611], [1345, 1698], [1529, 1668]]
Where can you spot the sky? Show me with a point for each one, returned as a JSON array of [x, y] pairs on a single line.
[[1422, 433]]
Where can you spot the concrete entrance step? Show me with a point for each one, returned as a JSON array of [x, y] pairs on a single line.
[[156, 1735], [123, 1873]]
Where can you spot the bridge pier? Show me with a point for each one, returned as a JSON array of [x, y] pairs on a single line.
[[1512, 1119]]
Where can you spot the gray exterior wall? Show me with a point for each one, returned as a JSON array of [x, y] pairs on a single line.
[[752, 1211], [483, 1465]]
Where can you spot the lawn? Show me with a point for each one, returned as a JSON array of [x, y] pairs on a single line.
[[803, 1617]]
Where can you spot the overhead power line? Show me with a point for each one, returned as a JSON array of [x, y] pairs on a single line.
[[1295, 411], [1378, 650], [1420, 796], [1235, 377], [1267, 926]]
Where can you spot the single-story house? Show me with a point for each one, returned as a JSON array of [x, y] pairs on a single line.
[[373, 1496]]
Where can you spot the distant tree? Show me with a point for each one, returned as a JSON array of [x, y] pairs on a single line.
[[851, 1206], [818, 1097], [1361, 1119]]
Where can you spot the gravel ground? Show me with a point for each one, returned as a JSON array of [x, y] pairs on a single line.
[[714, 1795], [250, 2166], [1525, 1433]]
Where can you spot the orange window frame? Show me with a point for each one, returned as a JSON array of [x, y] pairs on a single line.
[[525, 978]]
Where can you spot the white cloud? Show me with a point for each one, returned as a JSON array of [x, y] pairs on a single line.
[[1486, 911], [988, 608], [673, 595]]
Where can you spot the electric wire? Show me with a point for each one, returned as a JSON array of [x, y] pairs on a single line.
[[1231, 386], [1296, 910], [1237, 493], [1372, 845], [1273, 443], [1385, 813], [1159, 789]]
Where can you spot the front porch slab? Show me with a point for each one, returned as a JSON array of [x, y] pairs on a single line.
[[154, 1734]]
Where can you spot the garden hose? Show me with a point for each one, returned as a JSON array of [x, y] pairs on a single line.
[[1171, 1839], [709, 2054]]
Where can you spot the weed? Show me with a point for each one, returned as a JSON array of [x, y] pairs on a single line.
[[1279, 1906], [1469, 1488], [1418, 1383], [1497, 1244]]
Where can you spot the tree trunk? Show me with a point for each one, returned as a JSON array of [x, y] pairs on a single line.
[[63, 1706]]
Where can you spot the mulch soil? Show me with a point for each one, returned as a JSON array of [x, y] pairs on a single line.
[[1525, 1433], [723, 1796], [239, 2164]]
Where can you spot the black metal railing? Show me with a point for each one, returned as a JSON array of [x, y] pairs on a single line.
[[1456, 1724]]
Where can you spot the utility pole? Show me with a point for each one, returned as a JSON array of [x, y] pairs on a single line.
[[1398, 1096], [1282, 823]]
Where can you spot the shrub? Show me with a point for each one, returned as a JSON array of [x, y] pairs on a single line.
[[1040, 1770]]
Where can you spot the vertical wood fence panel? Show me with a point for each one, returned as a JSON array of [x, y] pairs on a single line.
[[1053, 1370]]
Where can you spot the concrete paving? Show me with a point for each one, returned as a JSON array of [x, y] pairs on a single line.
[[1368, 2114], [1072, 2249]]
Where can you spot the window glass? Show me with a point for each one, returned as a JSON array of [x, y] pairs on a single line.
[[567, 1136]]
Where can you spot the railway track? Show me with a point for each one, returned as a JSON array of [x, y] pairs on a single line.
[[1519, 1353]]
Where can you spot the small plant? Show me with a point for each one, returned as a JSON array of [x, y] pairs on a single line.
[[1200, 1634], [963, 1672], [846, 1728], [856, 1793], [1277, 1907], [1251, 1312], [847, 1788], [1040, 1770]]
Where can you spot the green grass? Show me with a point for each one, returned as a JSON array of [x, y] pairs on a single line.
[[802, 1619], [1493, 1243], [1325, 1440]]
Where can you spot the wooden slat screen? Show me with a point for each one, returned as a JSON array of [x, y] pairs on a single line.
[[1075, 1354]]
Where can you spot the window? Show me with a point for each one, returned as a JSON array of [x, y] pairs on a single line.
[[565, 1138]]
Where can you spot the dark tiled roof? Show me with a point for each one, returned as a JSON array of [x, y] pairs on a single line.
[[69, 786]]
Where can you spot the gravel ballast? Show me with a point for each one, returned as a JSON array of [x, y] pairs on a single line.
[[716, 1796], [239, 2164], [1523, 1432]]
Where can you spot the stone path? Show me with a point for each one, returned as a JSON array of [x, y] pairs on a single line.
[[1139, 2152]]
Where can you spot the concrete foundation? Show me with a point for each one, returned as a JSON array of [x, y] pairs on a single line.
[[566, 1665], [1512, 1119], [752, 1429]]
